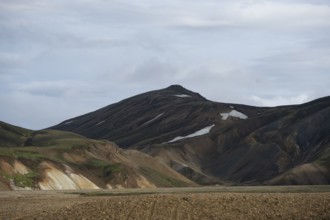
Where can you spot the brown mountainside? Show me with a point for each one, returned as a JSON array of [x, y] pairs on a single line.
[[49, 159]]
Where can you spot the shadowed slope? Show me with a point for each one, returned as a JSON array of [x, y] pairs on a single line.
[[152, 117]]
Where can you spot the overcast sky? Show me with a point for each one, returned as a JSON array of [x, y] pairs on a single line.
[[60, 59]]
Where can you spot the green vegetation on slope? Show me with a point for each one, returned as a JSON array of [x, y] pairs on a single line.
[[160, 179], [48, 138], [13, 136], [23, 180], [95, 159], [105, 169], [26, 180], [324, 160]]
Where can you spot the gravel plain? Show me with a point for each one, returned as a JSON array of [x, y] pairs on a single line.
[[184, 203]]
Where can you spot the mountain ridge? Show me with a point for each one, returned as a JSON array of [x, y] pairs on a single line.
[[244, 145], [173, 100], [173, 137]]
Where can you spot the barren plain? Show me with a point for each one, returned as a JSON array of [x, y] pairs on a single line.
[[294, 202]]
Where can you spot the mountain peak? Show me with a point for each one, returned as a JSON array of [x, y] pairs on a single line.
[[176, 88], [180, 91]]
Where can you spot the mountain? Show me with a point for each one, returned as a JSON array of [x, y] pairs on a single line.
[[50, 159], [151, 118], [211, 142]]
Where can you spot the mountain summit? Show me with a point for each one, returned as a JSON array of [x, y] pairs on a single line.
[[211, 142], [152, 117]]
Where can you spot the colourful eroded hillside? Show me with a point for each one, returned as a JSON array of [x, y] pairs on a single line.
[[51, 159]]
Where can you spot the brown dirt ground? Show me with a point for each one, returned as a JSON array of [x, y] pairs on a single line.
[[173, 205]]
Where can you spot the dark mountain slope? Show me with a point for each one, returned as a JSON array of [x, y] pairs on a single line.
[[212, 142], [261, 148], [152, 117]]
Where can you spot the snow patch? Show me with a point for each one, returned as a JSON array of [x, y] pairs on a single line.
[[232, 107], [197, 133], [68, 122], [153, 119], [100, 123], [183, 96], [233, 113]]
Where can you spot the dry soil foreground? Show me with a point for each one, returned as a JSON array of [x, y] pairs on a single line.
[[165, 204]]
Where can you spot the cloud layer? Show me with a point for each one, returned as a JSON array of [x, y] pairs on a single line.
[[60, 59]]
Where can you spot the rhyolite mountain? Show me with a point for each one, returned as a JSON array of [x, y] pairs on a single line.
[[53, 160], [211, 142]]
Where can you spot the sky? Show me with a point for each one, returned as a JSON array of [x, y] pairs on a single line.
[[60, 59]]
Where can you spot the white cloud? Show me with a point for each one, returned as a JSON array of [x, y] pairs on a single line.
[[49, 88], [9, 60], [86, 54], [33, 111], [152, 70], [252, 14], [283, 14], [279, 100]]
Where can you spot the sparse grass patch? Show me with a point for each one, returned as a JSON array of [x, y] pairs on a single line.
[[49, 138], [325, 159], [160, 179], [95, 163], [12, 136], [26, 180], [6, 152], [20, 154], [23, 180], [106, 170], [30, 155], [111, 169]]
